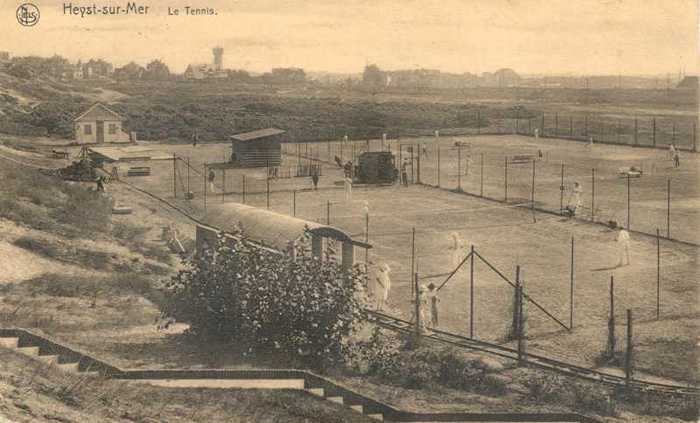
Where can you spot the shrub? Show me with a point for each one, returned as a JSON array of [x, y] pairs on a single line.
[[301, 305]]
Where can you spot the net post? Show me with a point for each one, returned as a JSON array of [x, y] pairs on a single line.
[[438, 165], [204, 178], [561, 191], [417, 308], [658, 274], [611, 321], [505, 178], [267, 185], [628, 201], [668, 208], [628, 353], [482, 176], [593, 194], [188, 178], [223, 188], [459, 167], [471, 293], [294, 203], [653, 131], [413, 250], [328, 212], [174, 175], [571, 288], [243, 189]]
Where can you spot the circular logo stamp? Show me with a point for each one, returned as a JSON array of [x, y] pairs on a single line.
[[27, 14]]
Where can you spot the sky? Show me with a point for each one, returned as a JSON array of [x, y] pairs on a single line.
[[582, 37]]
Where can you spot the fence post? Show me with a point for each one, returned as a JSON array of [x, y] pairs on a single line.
[[695, 136], [658, 273], [438, 165], [204, 178], [673, 132], [243, 190], [223, 188], [174, 176], [611, 321], [413, 254], [328, 212], [571, 126], [459, 167], [267, 184], [636, 131], [188, 179], [653, 131], [294, 202], [628, 201], [585, 126], [413, 163], [532, 195], [482, 175], [518, 313], [471, 292], [418, 164], [592, 194], [516, 303], [571, 289], [628, 355], [542, 125], [668, 208], [617, 129], [417, 309], [505, 177], [561, 191], [556, 124], [529, 126], [478, 120]]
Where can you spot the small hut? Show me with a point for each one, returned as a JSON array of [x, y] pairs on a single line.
[[273, 230], [99, 124], [261, 148]]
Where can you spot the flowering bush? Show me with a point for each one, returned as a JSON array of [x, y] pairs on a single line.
[[299, 304]]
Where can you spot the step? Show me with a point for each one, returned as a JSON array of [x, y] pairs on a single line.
[[337, 400], [9, 342], [49, 359], [69, 367], [360, 409], [319, 392], [225, 383], [30, 351], [378, 417]]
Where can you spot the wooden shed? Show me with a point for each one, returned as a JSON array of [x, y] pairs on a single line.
[[99, 124], [273, 230], [259, 148]]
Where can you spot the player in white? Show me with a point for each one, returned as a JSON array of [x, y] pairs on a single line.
[[537, 133], [459, 250], [575, 201], [623, 247]]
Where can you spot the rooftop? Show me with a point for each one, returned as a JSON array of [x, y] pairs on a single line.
[[260, 133]]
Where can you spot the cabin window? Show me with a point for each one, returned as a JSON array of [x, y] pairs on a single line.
[[88, 129], [112, 128]]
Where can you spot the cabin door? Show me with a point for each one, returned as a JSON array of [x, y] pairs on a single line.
[[100, 131]]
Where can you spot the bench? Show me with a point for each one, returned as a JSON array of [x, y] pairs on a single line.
[[522, 159], [630, 171], [60, 154], [139, 171]]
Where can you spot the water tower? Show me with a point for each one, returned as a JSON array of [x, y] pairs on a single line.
[[218, 58]]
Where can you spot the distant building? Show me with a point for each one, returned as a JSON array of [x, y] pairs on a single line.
[[688, 83], [207, 70], [98, 125], [259, 148], [4, 56]]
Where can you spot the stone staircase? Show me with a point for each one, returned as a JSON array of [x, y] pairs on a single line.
[[68, 359]]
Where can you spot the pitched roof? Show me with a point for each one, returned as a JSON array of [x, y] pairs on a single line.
[[98, 111], [260, 133]]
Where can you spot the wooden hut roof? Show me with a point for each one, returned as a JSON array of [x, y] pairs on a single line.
[[267, 227], [98, 111], [254, 135]]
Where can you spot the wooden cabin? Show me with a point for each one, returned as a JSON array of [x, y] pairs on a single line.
[[259, 148], [275, 231]]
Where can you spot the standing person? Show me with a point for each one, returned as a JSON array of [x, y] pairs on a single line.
[[433, 300], [575, 201], [211, 177], [676, 159], [382, 287], [100, 184], [623, 247], [458, 247], [590, 141], [404, 173], [422, 307], [314, 177], [195, 138], [671, 151], [537, 133], [348, 188]]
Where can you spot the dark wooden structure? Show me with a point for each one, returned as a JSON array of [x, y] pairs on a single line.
[[259, 148]]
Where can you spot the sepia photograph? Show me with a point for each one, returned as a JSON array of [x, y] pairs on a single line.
[[326, 211]]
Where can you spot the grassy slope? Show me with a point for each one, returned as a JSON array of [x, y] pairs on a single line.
[[33, 391]]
